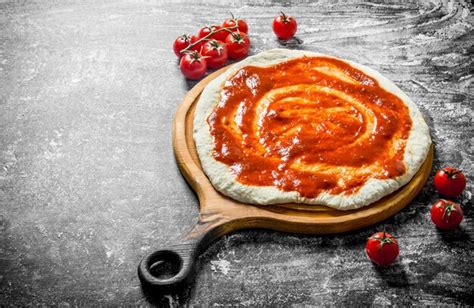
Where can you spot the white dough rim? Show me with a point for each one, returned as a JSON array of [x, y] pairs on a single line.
[[221, 177]]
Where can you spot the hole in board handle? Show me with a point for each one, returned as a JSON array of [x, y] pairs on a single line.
[[165, 265]]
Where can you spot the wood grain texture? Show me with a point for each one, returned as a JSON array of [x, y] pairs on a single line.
[[89, 182]]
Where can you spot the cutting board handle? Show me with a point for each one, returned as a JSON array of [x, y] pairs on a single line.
[[167, 269]]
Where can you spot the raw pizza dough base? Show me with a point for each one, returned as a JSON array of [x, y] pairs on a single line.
[[222, 178]]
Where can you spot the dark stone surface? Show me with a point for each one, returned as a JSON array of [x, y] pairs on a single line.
[[88, 181]]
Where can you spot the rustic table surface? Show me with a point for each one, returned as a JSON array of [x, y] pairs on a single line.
[[89, 184]]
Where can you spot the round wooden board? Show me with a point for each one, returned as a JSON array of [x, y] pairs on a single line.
[[222, 214]]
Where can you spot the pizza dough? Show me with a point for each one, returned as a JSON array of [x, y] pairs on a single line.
[[225, 179]]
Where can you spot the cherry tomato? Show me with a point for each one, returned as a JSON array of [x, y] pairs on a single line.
[[446, 215], [382, 248], [242, 26], [193, 65], [284, 26], [220, 36], [450, 182], [215, 53], [238, 45], [184, 41], [198, 46]]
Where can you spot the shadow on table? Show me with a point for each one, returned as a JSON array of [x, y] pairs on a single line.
[[394, 275], [455, 238], [190, 84], [175, 299]]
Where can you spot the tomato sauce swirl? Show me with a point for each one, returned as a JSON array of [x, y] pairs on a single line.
[[310, 125]]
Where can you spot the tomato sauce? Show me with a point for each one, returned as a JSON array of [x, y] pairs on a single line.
[[310, 125]]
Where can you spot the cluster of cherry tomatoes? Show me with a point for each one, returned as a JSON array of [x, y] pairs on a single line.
[[382, 248], [212, 47]]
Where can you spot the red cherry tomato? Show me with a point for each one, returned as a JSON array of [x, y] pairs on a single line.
[[193, 65], [242, 26], [382, 248], [204, 31], [197, 47], [238, 45], [184, 41], [220, 36], [450, 182], [284, 26], [215, 53], [446, 215], [180, 43]]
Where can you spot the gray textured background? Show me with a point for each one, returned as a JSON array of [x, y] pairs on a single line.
[[88, 181]]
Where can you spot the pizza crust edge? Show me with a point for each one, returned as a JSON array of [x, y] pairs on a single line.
[[416, 149]]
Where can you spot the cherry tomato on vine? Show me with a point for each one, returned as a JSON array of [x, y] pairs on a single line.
[[215, 53], [382, 248], [450, 182], [193, 65], [238, 45], [242, 26], [284, 26], [184, 41], [180, 43], [220, 36], [446, 215], [197, 47]]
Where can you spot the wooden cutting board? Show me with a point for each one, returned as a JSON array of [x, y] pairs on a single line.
[[220, 215]]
